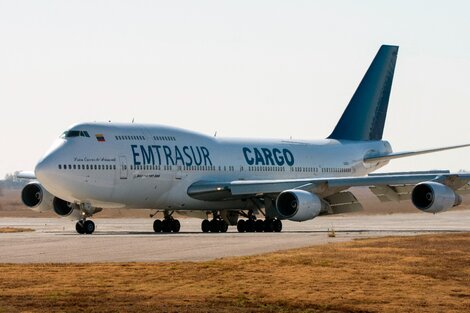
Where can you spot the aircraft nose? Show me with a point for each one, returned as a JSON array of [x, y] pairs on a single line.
[[45, 169]]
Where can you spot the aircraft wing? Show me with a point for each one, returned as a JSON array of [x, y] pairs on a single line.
[[387, 187]]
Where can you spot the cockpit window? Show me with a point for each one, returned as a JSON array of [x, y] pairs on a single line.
[[74, 133]]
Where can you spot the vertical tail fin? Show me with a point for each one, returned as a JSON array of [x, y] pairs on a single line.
[[364, 117]]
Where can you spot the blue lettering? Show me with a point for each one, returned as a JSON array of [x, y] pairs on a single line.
[[178, 156], [168, 157], [186, 153], [249, 161], [288, 156], [279, 158], [157, 149], [259, 157], [135, 154], [268, 156], [148, 158], [207, 159], [265, 156], [194, 156]]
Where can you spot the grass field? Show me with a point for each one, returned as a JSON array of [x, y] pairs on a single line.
[[402, 274], [4, 230]]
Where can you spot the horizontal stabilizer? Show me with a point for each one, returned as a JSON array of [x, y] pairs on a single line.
[[26, 175], [398, 155]]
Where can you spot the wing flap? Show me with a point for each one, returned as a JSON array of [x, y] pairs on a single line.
[[343, 202]]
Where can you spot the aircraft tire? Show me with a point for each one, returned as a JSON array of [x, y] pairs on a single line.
[[80, 228], [277, 226], [250, 226], [166, 226], [268, 226], [215, 226], [175, 226], [157, 226], [241, 226], [259, 226], [223, 226], [205, 226], [89, 227]]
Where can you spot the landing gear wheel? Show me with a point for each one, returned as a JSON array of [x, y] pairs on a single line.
[[268, 226], [223, 226], [250, 226], [259, 226], [241, 226], [214, 226], [80, 228], [205, 226], [89, 227], [166, 226], [175, 226], [157, 226], [277, 226]]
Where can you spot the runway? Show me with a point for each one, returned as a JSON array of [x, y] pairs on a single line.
[[133, 240]]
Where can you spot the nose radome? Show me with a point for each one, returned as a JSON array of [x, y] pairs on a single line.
[[44, 169]]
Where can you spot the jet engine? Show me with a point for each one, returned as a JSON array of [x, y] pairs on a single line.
[[432, 197], [35, 197], [66, 209], [298, 205], [72, 210]]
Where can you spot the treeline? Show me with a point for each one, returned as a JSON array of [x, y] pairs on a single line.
[[11, 181]]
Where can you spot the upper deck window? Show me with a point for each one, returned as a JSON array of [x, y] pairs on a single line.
[[74, 133]]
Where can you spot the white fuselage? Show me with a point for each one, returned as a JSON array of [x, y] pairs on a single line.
[[145, 166]]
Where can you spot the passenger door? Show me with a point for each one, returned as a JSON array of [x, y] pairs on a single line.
[[123, 167]]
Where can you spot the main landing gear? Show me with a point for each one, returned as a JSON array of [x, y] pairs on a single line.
[[168, 225], [253, 225], [85, 227], [216, 225]]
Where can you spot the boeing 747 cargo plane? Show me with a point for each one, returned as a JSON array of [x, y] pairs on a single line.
[[253, 184]]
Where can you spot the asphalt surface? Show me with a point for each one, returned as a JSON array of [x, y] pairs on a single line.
[[133, 240]]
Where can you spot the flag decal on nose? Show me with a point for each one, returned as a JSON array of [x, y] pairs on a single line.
[[100, 138]]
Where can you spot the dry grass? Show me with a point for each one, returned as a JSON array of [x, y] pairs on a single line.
[[14, 230], [415, 274]]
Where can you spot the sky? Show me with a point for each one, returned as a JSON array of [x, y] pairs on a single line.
[[256, 69]]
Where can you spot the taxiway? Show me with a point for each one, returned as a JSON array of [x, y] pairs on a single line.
[[133, 240]]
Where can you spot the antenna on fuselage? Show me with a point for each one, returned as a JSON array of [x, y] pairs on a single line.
[[215, 134], [132, 120]]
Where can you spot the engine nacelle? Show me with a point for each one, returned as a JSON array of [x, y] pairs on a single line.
[[298, 205], [35, 197], [73, 210], [432, 197], [66, 209]]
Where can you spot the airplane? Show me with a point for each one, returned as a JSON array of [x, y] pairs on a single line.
[[249, 183]]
